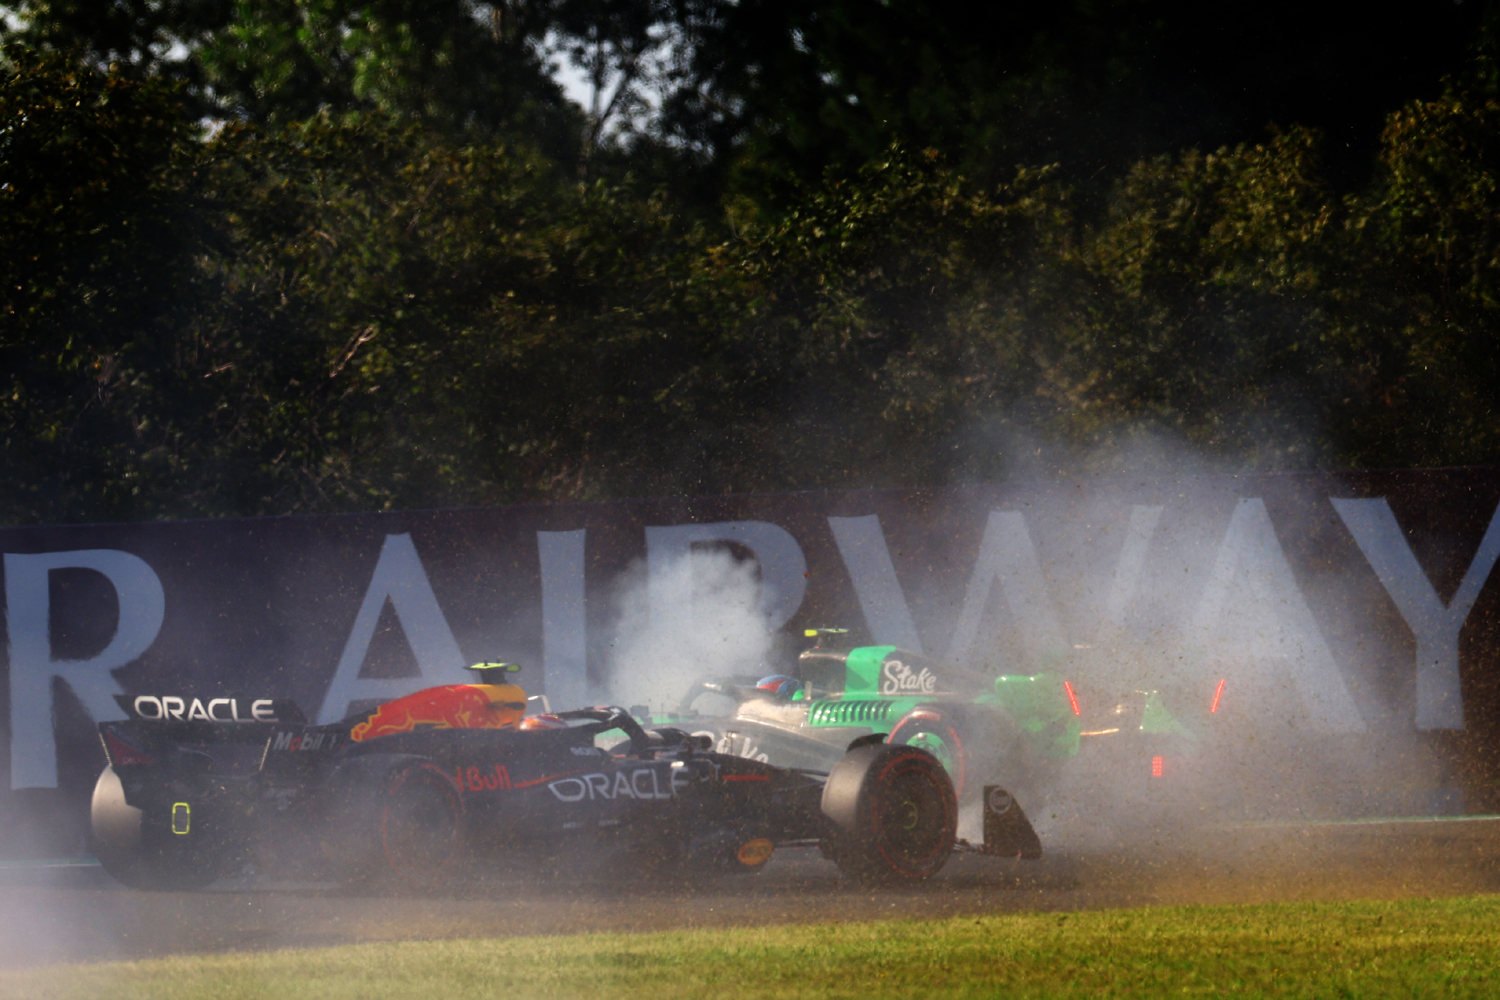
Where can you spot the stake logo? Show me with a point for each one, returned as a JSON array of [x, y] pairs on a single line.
[[898, 678]]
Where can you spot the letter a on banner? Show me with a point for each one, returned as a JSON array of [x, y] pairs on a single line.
[[1435, 625], [400, 577], [33, 758], [1252, 610], [1130, 567]]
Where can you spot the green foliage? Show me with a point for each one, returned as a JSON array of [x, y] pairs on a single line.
[[888, 318], [139, 38], [335, 315], [97, 226], [1200, 313], [392, 321], [1417, 315], [437, 62], [361, 303], [779, 90]]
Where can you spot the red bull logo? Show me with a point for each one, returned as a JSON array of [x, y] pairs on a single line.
[[453, 706]]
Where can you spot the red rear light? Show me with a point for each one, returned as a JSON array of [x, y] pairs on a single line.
[[1072, 698], [1217, 695], [1156, 767]]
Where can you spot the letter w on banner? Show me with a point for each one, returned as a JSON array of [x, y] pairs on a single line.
[[1006, 554]]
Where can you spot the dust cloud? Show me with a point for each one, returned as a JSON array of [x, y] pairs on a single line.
[[699, 618], [1169, 580], [1174, 581]]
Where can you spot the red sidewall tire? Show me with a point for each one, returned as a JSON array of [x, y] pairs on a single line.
[[891, 812], [932, 720], [420, 825], [887, 817]]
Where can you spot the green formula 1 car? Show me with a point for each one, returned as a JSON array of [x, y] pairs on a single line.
[[1017, 730]]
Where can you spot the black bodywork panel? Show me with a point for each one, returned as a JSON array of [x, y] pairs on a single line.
[[240, 787]]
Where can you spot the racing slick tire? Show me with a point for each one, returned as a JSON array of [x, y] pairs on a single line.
[[420, 825], [143, 854], [395, 822], [891, 812], [978, 747], [936, 732]]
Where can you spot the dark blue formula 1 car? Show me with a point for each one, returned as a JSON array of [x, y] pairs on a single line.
[[401, 794]]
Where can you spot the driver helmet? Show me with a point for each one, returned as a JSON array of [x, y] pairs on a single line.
[[779, 685], [543, 722]]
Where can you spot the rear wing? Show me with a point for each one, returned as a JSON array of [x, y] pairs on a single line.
[[135, 742], [273, 745]]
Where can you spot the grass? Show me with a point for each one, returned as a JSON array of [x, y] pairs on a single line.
[[1412, 948]]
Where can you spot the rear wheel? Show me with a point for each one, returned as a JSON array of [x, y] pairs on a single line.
[[420, 821], [892, 813], [934, 731], [145, 852]]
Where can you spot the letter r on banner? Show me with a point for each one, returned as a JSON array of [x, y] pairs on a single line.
[[33, 756]]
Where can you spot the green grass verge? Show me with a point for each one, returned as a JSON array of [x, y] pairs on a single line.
[[1414, 948]]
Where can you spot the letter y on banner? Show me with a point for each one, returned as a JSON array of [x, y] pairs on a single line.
[[1435, 625], [399, 576], [33, 758]]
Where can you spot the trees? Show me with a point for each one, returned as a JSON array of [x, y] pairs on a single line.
[[97, 229], [1419, 303], [777, 90], [375, 298]]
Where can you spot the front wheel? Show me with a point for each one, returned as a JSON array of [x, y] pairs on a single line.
[[892, 814]]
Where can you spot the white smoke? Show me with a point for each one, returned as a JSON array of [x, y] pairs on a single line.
[[699, 617]]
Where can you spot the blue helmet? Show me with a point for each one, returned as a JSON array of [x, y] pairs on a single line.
[[779, 685]]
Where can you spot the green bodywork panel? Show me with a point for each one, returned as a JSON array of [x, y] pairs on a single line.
[[1039, 705], [863, 674], [877, 714], [1157, 719]]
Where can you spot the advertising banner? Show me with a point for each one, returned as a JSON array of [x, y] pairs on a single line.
[[1360, 604]]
